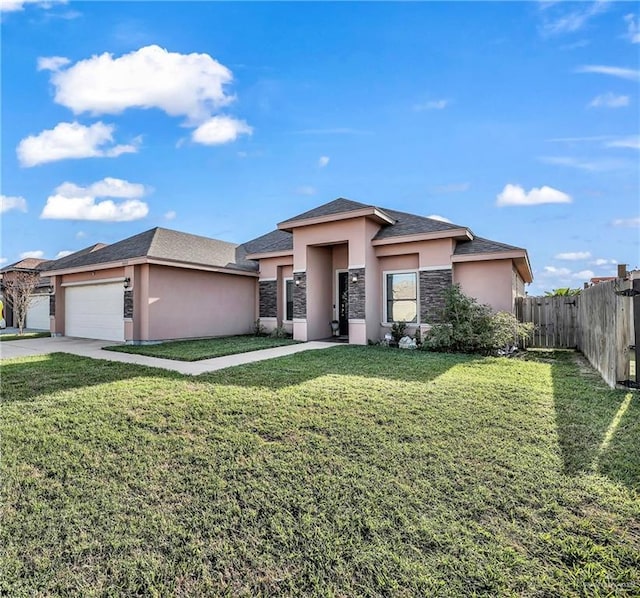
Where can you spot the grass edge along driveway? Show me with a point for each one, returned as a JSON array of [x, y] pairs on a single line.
[[198, 349], [350, 471]]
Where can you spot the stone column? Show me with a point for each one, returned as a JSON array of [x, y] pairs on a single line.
[[433, 285], [357, 294]]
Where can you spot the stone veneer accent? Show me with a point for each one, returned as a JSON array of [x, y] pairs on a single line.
[[356, 294], [128, 303], [52, 305], [300, 295], [433, 285], [268, 293]]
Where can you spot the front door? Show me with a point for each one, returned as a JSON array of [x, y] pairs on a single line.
[[343, 303]]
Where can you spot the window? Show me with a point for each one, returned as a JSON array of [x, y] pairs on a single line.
[[288, 299], [401, 297]]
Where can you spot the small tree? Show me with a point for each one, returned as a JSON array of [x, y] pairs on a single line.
[[18, 291], [562, 292]]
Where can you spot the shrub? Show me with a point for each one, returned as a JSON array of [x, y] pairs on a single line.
[[259, 329], [398, 330], [280, 332], [469, 327]]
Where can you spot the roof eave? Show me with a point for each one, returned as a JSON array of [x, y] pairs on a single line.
[[460, 234], [519, 256], [372, 212], [266, 254]]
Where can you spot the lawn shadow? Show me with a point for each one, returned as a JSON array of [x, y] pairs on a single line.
[[28, 378], [345, 360], [598, 427]]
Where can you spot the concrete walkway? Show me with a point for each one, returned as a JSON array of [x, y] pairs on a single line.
[[93, 349]]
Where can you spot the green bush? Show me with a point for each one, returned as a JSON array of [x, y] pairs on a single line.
[[398, 330], [470, 327], [280, 332]]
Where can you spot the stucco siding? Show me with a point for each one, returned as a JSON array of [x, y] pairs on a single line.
[[193, 303], [488, 281]]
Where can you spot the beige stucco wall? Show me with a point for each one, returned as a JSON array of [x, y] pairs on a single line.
[[436, 252], [269, 266], [192, 303], [488, 281]]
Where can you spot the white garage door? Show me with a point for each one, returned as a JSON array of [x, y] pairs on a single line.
[[95, 311], [38, 312]]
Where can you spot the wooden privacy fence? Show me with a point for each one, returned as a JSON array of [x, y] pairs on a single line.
[[600, 322], [555, 319]]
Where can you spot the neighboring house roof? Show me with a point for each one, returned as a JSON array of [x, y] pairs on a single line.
[[599, 279], [29, 263], [158, 243], [480, 245]]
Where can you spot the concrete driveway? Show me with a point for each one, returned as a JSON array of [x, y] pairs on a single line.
[[93, 349]]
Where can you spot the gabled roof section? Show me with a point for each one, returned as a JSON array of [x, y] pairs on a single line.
[[411, 224], [337, 206], [158, 243], [480, 245]]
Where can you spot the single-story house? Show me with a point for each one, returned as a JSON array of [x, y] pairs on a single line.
[[362, 266], [38, 308]]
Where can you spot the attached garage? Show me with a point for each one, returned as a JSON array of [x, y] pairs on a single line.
[[95, 311], [38, 312]]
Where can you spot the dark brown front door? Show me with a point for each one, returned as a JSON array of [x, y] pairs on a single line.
[[343, 303]]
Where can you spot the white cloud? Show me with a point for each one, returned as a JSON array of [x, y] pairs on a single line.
[[633, 28], [613, 71], [63, 253], [584, 274], [598, 165], [627, 222], [71, 140], [575, 20], [306, 190], [81, 234], [632, 142], [432, 105], [438, 217], [552, 270], [16, 5], [515, 195], [8, 202], [573, 255], [190, 85], [52, 63], [38, 254], [602, 262], [323, 161], [220, 129], [170, 215], [72, 202], [3, 260], [609, 100]]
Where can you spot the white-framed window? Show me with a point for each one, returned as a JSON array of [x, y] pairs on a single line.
[[400, 296], [288, 299]]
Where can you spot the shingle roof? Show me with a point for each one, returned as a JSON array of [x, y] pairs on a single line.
[[480, 245], [159, 243], [411, 224], [276, 240], [337, 206], [29, 263]]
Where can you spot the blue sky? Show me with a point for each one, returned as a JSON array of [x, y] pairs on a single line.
[[520, 120]]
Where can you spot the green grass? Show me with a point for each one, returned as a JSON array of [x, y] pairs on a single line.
[[23, 336], [195, 350], [351, 471]]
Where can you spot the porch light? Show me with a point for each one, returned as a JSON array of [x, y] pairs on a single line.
[[297, 281], [354, 278], [127, 282], [50, 289]]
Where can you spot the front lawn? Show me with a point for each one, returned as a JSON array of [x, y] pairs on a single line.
[[352, 471], [24, 336], [196, 350]]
